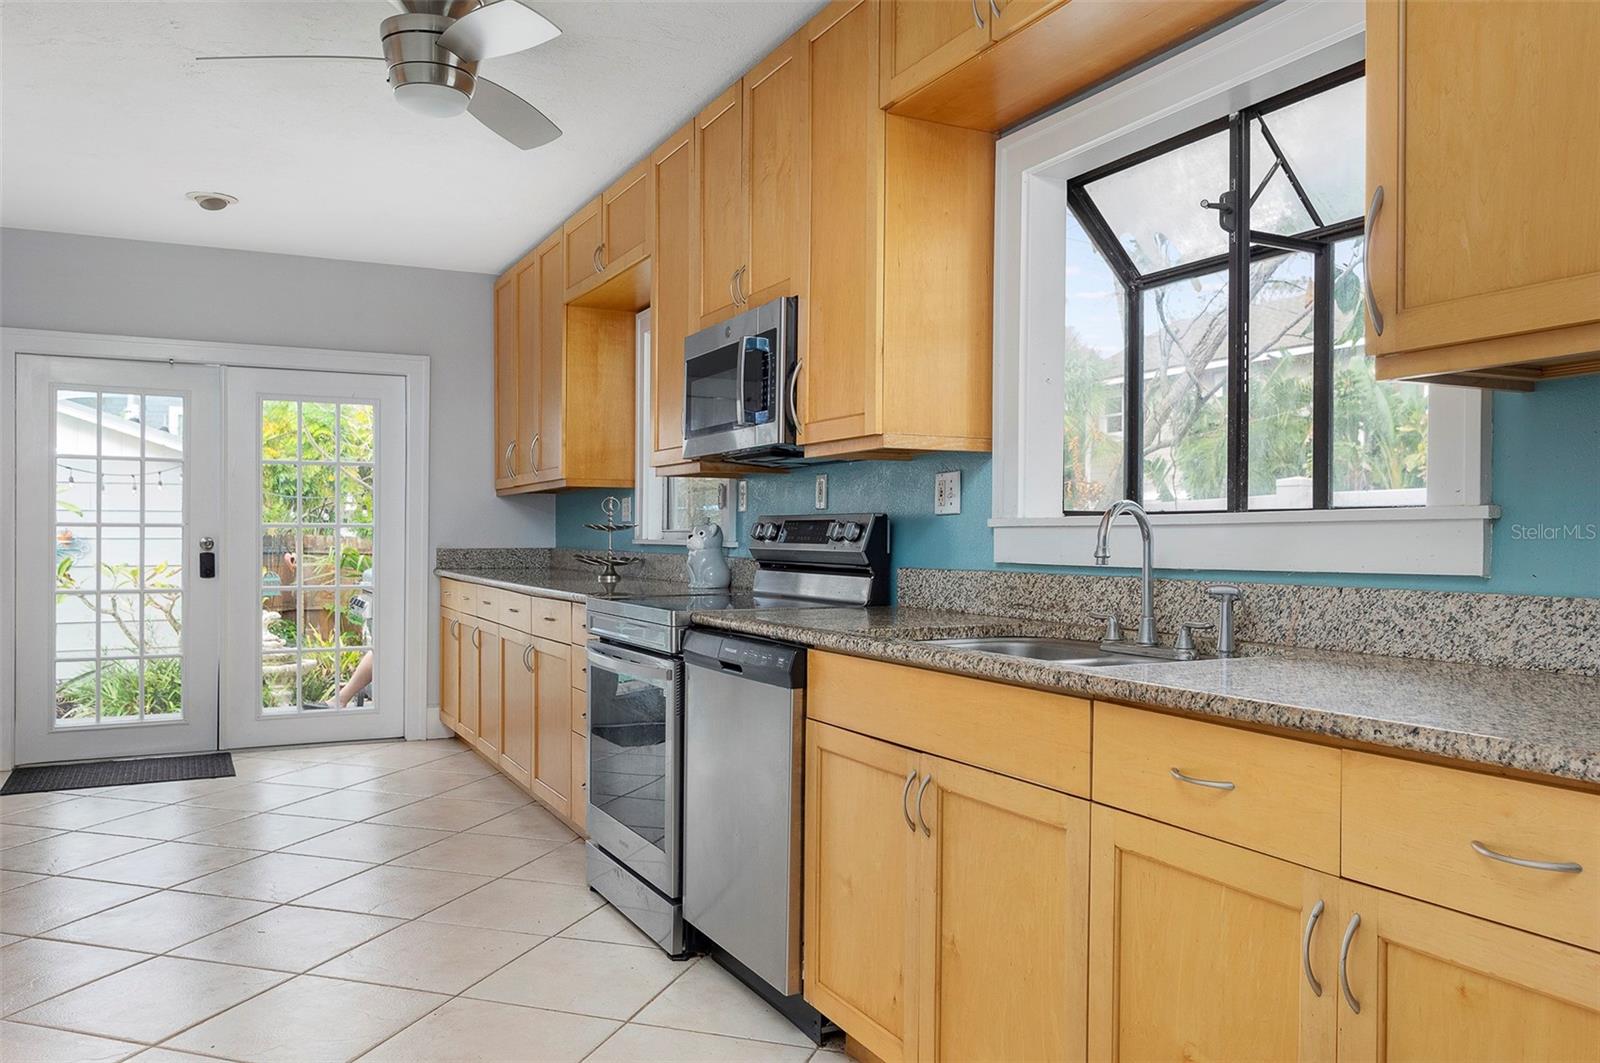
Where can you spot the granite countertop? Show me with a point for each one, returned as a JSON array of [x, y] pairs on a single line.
[[558, 583], [1542, 722]]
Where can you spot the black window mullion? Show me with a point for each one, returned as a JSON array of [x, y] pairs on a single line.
[[1133, 399], [1322, 380], [1239, 316], [1094, 223], [1288, 171]]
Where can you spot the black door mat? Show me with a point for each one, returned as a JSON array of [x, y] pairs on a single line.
[[91, 773]]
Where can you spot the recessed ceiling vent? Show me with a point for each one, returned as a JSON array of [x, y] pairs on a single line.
[[213, 200]]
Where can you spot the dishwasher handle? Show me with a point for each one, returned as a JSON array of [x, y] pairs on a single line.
[[761, 661]]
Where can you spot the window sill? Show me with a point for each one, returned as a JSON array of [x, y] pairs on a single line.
[[1433, 541]]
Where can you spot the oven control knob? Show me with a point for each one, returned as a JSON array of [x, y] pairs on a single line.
[[852, 532], [835, 531], [767, 531]]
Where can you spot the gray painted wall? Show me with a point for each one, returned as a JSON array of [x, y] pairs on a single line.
[[171, 291]]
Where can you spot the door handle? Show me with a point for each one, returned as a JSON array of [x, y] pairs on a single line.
[[477, 634], [208, 557], [1563, 866], [977, 18], [1344, 964], [905, 808], [1213, 784], [1366, 260], [533, 452], [994, 10], [1305, 948], [600, 258], [510, 454], [527, 665], [738, 285], [926, 832], [732, 295]]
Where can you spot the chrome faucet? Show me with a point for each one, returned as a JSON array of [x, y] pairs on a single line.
[[1102, 555]]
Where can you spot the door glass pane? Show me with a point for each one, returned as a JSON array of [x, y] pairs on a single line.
[[1282, 324], [1153, 207], [1380, 427], [120, 532], [317, 557], [280, 430], [1185, 351], [1094, 362]]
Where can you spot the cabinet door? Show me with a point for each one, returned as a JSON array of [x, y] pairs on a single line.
[[549, 457], [720, 239], [1434, 984], [552, 744], [491, 692], [839, 374], [449, 666], [505, 382], [518, 695], [529, 356], [578, 812], [1012, 15], [861, 885], [1005, 917], [470, 635], [777, 170], [625, 218], [582, 236], [1489, 224], [1195, 948], [674, 290], [923, 39]]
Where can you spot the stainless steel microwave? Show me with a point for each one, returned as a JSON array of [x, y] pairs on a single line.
[[738, 387]]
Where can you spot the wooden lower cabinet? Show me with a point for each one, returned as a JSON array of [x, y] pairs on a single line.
[[1195, 948], [470, 636], [518, 685], [449, 665], [552, 735], [1434, 984], [491, 691], [946, 906], [578, 813]]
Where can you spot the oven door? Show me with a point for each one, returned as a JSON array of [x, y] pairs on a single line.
[[736, 377], [636, 761]]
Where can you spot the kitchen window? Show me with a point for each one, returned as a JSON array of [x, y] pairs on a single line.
[[1180, 321]]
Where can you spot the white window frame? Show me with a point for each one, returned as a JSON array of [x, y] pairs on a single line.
[[650, 489], [1276, 50]]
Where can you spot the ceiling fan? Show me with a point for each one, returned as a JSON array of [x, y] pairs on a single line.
[[433, 48]]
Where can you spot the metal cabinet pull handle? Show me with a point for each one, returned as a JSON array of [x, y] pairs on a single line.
[[600, 258], [1214, 784], [1565, 867], [511, 451], [1344, 964], [1366, 260], [594, 258], [927, 833], [738, 282], [994, 9], [527, 665], [533, 452], [1305, 948], [905, 809], [975, 16], [476, 633], [732, 299], [455, 628]]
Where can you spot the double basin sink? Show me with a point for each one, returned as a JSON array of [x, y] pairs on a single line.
[[1082, 654]]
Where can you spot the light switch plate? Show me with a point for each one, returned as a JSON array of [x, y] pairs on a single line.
[[947, 492], [744, 495], [626, 509], [822, 491]]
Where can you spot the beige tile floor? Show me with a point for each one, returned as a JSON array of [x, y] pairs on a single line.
[[378, 901]]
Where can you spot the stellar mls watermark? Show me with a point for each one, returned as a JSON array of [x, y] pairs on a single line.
[[1556, 532]]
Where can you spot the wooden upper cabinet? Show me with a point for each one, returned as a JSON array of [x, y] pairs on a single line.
[[625, 219], [861, 879], [720, 216], [505, 380], [923, 39], [582, 236], [1195, 949], [674, 290], [1485, 246], [547, 461], [1009, 16], [530, 310], [1435, 984], [776, 175], [1003, 942]]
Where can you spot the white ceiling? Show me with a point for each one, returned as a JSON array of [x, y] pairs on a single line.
[[106, 121]]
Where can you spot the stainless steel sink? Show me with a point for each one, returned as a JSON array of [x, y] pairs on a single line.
[[1067, 651]]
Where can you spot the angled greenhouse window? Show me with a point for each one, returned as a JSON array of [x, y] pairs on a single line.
[[1234, 254]]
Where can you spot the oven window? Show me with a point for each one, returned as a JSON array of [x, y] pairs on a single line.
[[628, 751]]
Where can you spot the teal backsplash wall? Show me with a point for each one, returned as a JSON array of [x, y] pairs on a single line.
[[1546, 482]]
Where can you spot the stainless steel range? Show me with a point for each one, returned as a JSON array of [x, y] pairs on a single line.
[[637, 747]]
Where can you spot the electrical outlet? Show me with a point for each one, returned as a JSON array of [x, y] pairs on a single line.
[[626, 511], [744, 495], [947, 492], [822, 491]]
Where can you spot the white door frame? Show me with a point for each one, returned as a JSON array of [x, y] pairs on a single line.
[[414, 368]]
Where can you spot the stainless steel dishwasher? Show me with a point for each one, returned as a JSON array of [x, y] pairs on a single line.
[[744, 748]]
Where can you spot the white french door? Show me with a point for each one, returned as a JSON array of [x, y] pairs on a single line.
[[208, 557], [315, 501], [118, 632]]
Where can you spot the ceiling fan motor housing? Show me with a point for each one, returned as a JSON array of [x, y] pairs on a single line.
[[425, 77]]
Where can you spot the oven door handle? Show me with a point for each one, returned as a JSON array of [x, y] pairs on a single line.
[[615, 659]]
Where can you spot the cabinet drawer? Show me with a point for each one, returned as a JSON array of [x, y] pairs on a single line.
[[550, 619], [516, 611], [477, 600], [448, 594], [1410, 828], [580, 624], [1273, 795], [1027, 734]]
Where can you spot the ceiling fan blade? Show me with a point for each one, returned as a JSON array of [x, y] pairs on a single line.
[[221, 58], [511, 116], [499, 28]]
